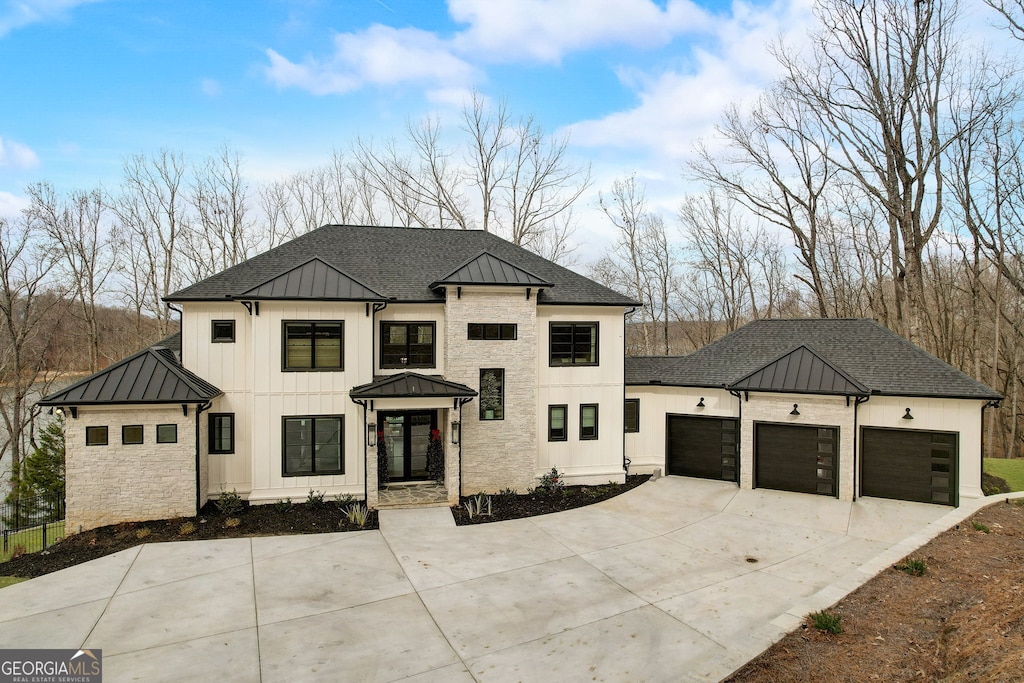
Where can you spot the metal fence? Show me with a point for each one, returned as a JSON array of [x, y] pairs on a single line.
[[31, 523]]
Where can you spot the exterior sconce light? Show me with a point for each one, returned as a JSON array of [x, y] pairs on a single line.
[[700, 403], [794, 411], [907, 415], [371, 434], [456, 432]]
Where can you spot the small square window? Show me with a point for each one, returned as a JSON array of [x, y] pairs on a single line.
[[222, 332], [95, 436], [131, 434], [588, 422], [167, 433]]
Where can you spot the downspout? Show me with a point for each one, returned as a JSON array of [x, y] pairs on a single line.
[[739, 433], [857, 400], [200, 408], [988, 404], [625, 458], [366, 452]]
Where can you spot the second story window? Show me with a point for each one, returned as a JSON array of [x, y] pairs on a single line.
[[407, 345], [492, 331], [573, 344], [222, 331], [313, 346]]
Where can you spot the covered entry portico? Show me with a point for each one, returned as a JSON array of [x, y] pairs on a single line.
[[407, 419]]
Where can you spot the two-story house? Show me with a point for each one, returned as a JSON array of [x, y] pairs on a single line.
[[301, 366]]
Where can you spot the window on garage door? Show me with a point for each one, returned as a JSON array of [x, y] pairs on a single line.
[[796, 458]]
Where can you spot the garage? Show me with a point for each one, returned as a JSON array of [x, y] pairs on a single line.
[[704, 447], [796, 458], [909, 465]]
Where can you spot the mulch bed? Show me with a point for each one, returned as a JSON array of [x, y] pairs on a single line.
[[542, 502], [963, 620]]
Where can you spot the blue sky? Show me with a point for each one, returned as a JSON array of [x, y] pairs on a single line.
[[634, 82]]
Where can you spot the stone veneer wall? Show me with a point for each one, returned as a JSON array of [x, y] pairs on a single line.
[[823, 411], [127, 483], [495, 453]]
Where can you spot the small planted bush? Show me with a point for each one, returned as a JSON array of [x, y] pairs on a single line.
[[551, 482], [480, 504], [187, 529], [357, 513], [344, 500], [229, 503], [232, 522], [142, 533], [913, 566], [978, 526], [315, 499], [284, 505], [826, 621]]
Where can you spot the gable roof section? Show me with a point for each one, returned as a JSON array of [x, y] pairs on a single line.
[[801, 371], [864, 351], [313, 279], [411, 385], [152, 375], [488, 269], [400, 264]]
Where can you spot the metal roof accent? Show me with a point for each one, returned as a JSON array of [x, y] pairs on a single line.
[[801, 371], [487, 269], [152, 375], [411, 385], [313, 279]]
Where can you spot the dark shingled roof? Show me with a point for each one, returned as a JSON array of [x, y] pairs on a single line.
[[152, 375], [314, 279], [866, 353], [401, 264], [488, 269], [411, 385], [801, 371]]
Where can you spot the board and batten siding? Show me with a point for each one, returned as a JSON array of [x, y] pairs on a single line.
[[939, 415], [594, 461], [646, 448]]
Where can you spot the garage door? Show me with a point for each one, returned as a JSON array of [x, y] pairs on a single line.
[[702, 447], [909, 465], [796, 458]]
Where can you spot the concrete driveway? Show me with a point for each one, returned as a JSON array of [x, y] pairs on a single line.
[[678, 580]]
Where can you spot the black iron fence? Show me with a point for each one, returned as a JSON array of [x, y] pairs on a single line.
[[31, 523]]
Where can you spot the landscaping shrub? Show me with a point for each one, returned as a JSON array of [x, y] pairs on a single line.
[[827, 621]]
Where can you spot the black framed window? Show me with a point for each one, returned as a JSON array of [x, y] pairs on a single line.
[[167, 433], [407, 345], [95, 436], [222, 433], [492, 394], [313, 445], [631, 416], [493, 331], [574, 344], [558, 417], [588, 422], [310, 346], [222, 331], [132, 435]]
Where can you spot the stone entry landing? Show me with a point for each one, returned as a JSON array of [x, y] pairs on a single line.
[[398, 496]]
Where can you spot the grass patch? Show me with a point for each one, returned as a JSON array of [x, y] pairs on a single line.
[[913, 566], [32, 539], [10, 580], [978, 526], [1009, 469], [826, 621]]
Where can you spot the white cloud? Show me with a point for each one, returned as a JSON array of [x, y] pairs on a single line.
[[16, 155], [380, 55], [210, 87], [11, 205], [18, 13], [545, 30]]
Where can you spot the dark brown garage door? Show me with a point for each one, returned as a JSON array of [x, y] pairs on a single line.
[[702, 447], [796, 458], [909, 465]]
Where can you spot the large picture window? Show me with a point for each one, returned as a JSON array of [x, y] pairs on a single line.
[[312, 346], [573, 344], [557, 417], [406, 345], [313, 445], [588, 422], [492, 394], [222, 433]]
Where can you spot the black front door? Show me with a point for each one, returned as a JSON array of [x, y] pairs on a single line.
[[407, 436]]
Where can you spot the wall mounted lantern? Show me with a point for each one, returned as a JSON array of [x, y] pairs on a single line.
[[456, 432], [371, 434], [700, 403], [794, 411], [907, 415]]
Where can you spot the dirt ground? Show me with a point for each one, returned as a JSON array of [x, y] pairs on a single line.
[[963, 620]]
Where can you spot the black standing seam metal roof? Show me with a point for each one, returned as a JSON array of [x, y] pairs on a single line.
[[488, 269], [411, 385], [314, 279], [801, 371], [867, 353], [152, 375], [401, 264]]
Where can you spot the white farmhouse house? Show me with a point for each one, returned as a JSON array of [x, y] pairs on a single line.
[[354, 358]]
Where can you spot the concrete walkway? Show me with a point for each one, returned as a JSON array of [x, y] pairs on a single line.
[[677, 580]]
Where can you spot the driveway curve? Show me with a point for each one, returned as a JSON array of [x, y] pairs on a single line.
[[677, 580]]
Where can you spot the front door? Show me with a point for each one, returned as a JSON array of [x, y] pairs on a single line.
[[407, 436]]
